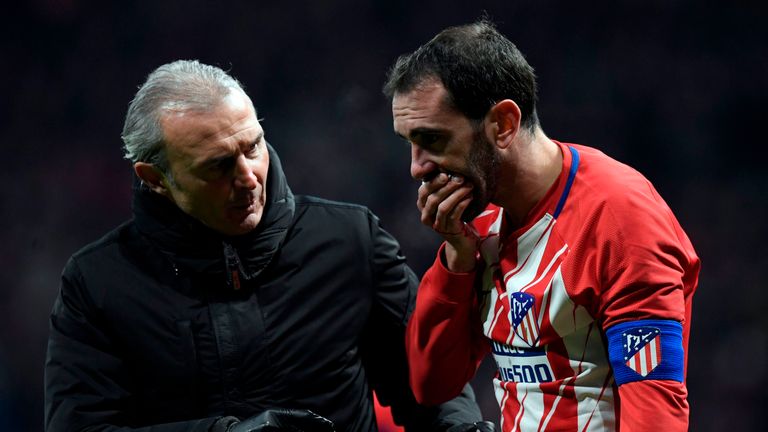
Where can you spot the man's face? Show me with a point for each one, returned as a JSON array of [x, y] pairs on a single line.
[[444, 140], [219, 163]]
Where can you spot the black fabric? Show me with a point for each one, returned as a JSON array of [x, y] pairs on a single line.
[[148, 333], [223, 424], [284, 420], [484, 426]]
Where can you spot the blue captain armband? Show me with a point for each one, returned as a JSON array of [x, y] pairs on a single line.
[[646, 350]]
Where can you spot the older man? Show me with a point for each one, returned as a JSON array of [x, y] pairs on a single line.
[[227, 303]]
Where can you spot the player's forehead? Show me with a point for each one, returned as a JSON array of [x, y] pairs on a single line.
[[425, 106]]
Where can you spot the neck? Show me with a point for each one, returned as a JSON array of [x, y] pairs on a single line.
[[530, 166]]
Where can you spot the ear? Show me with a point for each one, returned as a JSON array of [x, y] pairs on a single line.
[[152, 177], [505, 119]]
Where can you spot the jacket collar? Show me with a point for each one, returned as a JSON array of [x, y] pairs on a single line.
[[196, 248]]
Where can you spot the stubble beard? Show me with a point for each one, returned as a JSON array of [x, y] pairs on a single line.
[[483, 167]]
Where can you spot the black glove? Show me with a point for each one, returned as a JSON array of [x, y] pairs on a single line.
[[283, 420], [483, 426]]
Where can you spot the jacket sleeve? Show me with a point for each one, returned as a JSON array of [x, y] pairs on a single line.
[[444, 339], [383, 344], [86, 387]]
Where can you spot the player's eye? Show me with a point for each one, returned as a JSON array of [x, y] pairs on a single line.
[[428, 140]]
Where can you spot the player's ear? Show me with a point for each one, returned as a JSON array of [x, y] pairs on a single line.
[[152, 177], [504, 118]]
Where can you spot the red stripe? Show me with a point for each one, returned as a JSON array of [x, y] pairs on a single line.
[[521, 416]]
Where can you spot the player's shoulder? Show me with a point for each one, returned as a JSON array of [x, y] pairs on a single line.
[[618, 201], [604, 181]]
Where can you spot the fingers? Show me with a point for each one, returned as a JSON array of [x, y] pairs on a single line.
[[442, 200], [449, 211], [428, 187]]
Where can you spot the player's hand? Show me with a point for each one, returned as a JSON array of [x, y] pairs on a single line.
[[442, 200]]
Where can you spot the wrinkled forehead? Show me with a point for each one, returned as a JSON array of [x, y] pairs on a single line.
[[231, 121]]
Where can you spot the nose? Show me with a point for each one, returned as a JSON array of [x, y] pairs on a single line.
[[421, 164], [244, 176]]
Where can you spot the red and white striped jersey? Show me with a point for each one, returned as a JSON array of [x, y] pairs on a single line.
[[585, 308]]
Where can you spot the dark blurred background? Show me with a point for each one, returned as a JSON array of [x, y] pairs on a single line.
[[676, 88]]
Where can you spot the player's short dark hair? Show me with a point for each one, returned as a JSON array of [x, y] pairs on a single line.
[[478, 67]]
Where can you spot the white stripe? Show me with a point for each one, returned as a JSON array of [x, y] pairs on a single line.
[[484, 213], [546, 296], [586, 351], [534, 406], [489, 332], [530, 326], [531, 245], [511, 334], [653, 343], [534, 327], [642, 360], [495, 298], [546, 270]]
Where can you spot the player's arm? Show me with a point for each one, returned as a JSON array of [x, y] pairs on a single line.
[[383, 344], [648, 360], [650, 272], [444, 340], [445, 343]]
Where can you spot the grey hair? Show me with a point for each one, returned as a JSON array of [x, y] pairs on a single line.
[[180, 86]]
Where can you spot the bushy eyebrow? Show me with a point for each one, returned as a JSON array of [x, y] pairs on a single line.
[[418, 132]]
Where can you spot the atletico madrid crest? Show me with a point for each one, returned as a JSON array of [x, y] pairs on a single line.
[[642, 349], [524, 318]]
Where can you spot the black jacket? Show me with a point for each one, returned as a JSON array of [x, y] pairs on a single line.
[[165, 323]]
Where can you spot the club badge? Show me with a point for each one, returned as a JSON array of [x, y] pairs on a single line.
[[524, 318], [642, 349]]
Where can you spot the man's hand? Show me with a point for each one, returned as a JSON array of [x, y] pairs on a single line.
[[441, 201], [283, 420]]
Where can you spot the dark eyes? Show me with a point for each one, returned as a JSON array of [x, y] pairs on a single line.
[[431, 142], [428, 139], [253, 150], [223, 165]]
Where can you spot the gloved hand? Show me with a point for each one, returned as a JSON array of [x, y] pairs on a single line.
[[283, 420], [483, 426]]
